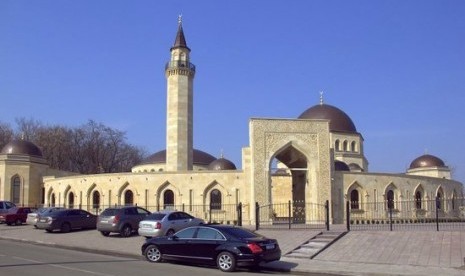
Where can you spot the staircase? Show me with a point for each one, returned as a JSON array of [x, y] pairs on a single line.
[[315, 245]]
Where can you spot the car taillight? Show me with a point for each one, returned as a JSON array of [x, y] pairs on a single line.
[[255, 248], [157, 225], [116, 219]]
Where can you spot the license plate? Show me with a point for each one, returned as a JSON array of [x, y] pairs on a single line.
[[145, 225], [42, 220], [269, 246]]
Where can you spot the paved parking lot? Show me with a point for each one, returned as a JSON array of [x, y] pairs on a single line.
[[356, 253]]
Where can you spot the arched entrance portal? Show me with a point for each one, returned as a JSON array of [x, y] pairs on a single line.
[[289, 179]]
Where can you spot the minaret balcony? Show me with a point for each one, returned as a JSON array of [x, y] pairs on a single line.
[[179, 64]]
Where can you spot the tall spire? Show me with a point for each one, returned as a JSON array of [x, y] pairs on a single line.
[[180, 39]]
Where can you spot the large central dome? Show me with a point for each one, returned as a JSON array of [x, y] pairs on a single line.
[[338, 119]]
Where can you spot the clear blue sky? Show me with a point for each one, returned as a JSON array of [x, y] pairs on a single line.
[[397, 68]]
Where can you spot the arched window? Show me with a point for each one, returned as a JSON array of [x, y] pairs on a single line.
[[345, 145], [453, 201], [52, 200], [96, 200], [439, 200], [354, 200], [390, 199], [168, 199], [16, 190], [128, 198], [71, 200], [215, 200], [418, 200], [337, 145], [353, 146]]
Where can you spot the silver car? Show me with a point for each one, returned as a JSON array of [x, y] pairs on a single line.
[[166, 223], [32, 218]]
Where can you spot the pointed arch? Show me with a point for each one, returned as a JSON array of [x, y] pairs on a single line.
[[418, 195], [390, 193], [354, 192], [15, 188], [166, 195], [440, 197]]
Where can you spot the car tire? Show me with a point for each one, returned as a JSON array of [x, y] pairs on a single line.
[[8, 223], [18, 222], [170, 233], [105, 233], [48, 230], [226, 262], [126, 231], [65, 227], [153, 254]]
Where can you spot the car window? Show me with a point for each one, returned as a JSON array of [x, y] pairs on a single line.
[[142, 211], [209, 234], [130, 211], [155, 216], [187, 233], [183, 215], [109, 212], [9, 205], [240, 232], [173, 216], [1, 205]]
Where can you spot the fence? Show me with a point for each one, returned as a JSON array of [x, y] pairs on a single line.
[[436, 214], [296, 214]]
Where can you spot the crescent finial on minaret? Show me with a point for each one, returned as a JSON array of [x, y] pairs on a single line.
[[321, 97], [180, 19]]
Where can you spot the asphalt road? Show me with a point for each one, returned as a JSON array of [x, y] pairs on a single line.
[[19, 258]]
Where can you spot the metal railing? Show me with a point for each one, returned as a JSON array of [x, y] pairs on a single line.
[[436, 214], [176, 64], [293, 214]]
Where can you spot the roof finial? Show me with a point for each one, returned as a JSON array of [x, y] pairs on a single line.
[[321, 97], [221, 153], [180, 19]]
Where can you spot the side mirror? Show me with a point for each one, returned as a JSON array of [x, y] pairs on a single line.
[[174, 238]]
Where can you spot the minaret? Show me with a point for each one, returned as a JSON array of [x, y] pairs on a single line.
[[179, 118]]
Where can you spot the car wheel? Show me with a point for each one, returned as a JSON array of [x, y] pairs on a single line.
[[8, 223], [35, 226], [48, 230], [126, 231], [170, 233], [18, 222], [153, 254], [65, 227], [105, 233], [226, 262]]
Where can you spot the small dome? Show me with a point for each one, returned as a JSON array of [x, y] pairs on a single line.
[[21, 147], [221, 164], [338, 119], [341, 166], [425, 161], [200, 158]]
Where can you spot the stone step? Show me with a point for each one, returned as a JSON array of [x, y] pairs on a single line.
[[314, 246]]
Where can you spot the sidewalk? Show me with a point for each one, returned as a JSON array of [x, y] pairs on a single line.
[[356, 253]]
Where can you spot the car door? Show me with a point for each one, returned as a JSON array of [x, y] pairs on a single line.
[[179, 245], [205, 243]]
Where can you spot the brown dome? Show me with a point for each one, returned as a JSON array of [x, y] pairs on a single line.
[[21, 147], [200, 158], [425, 161], [221, 164], [338, 119]]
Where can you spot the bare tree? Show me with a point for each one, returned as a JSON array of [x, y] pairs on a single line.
[[6, 134]]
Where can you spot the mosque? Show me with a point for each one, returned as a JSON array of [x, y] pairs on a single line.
[[315, 158]]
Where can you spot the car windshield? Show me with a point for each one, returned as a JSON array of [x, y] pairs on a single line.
[[12, 210], [110, 212], [240, 233], [155, 216]]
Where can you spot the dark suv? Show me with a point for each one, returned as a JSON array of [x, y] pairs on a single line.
[[123, 220]]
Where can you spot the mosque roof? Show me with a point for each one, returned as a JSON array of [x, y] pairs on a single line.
[[180, 40], [426, 161], [200, 158], [21, 147], [338, 119], [221, 164]]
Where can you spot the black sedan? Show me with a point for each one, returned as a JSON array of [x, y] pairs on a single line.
[[67, 220], [225, 246]]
